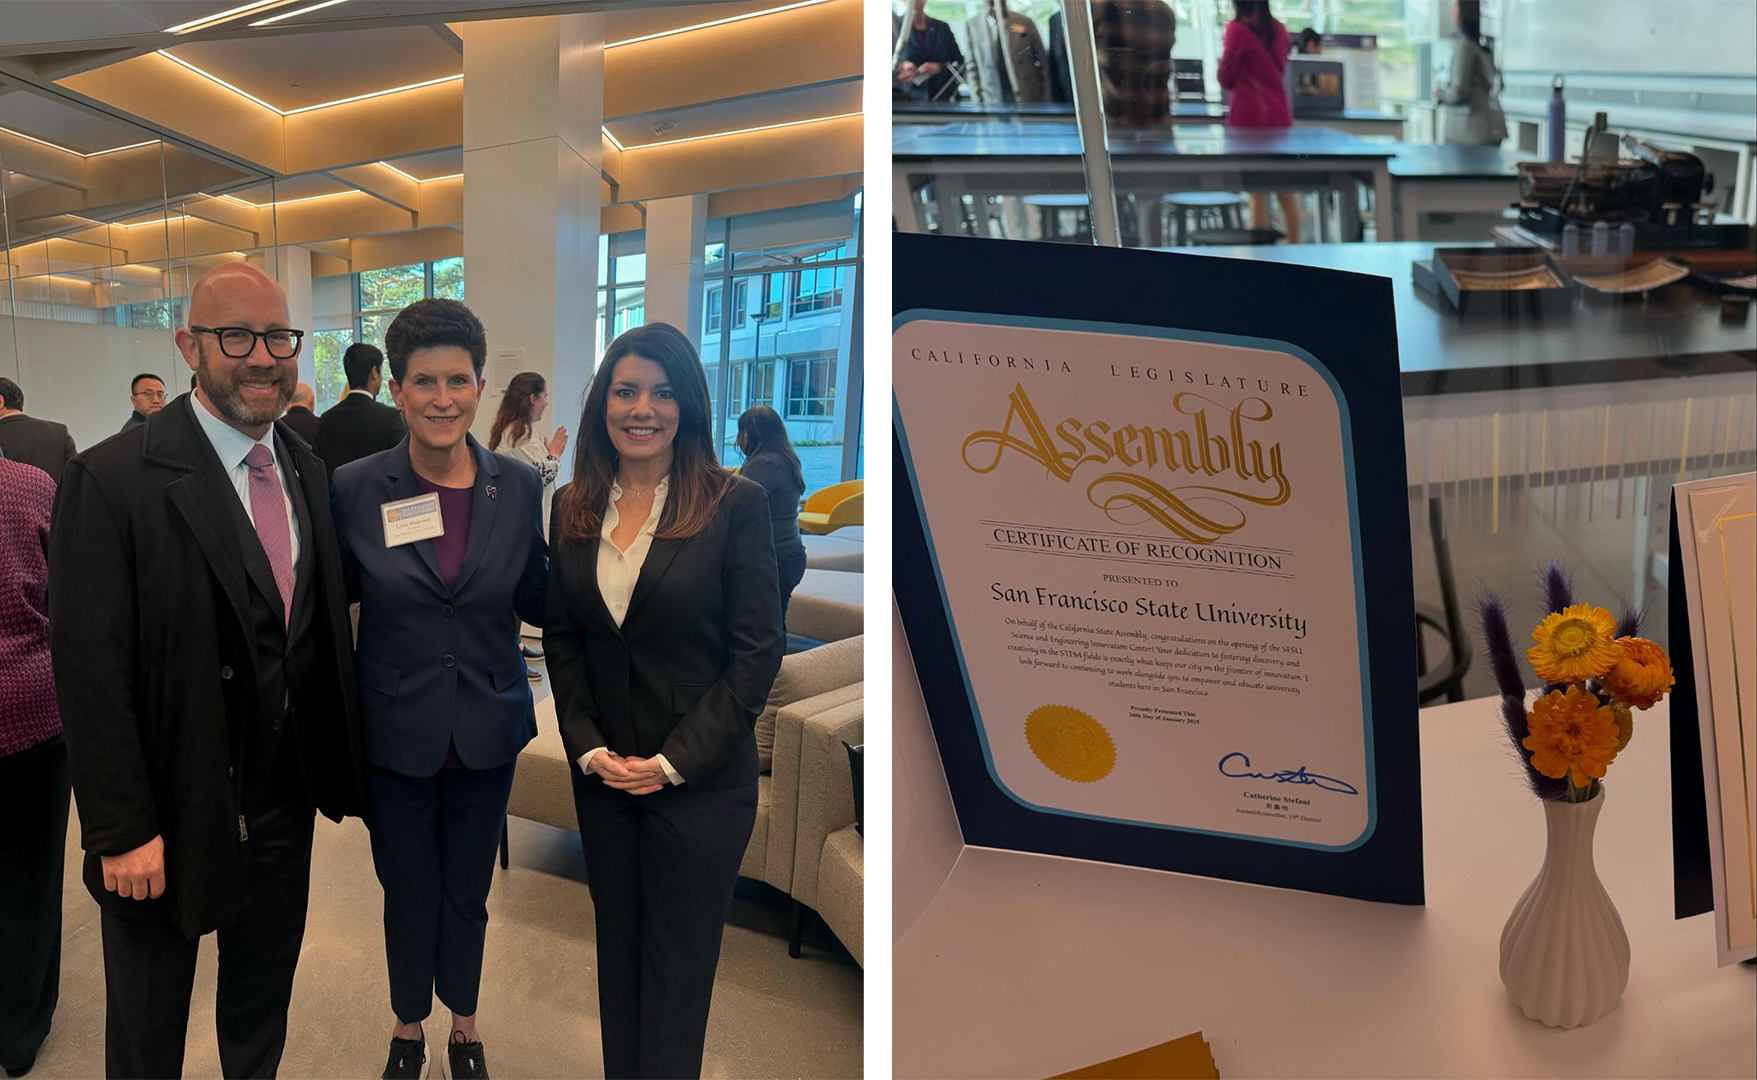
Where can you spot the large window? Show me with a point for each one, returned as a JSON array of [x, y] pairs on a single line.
[[778, 329], [622, 296], [374, 297]]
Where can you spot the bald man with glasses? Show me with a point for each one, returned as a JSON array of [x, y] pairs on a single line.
[[204, 670]]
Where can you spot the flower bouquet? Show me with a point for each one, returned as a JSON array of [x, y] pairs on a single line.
[[1564, 953]]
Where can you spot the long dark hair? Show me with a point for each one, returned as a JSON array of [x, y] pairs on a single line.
[[1255, 14], [697, 484], [763, 432], [514, 418], [1470, 24]]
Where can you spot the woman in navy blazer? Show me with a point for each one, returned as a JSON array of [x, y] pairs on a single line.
[[664, 638], [446, 704]]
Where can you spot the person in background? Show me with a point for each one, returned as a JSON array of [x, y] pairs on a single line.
[[1253, 63], [33, 772], [147, 394], [42, 443], [446, 712], [299, 414], [1134, 40], [928, 47], [769, 460], [1311, 43], [204, 676], [514, 434], [359, 425], [1471, 95], [664, 637], [1015, 72]]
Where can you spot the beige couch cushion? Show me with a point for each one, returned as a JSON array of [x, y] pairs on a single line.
[[828, 605], [790, 741], [541, 788], [834, 553], [804, 675], [842, 888], [826, 790]]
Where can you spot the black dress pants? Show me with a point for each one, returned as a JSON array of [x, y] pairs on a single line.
[[149, 966], [661, 869], [790, 570], [433, 844], [34, 797]]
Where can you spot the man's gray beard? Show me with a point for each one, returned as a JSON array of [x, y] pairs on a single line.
[[230, 400]]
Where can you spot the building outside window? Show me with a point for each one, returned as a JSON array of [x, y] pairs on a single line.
[[778, 325], [622, 291]]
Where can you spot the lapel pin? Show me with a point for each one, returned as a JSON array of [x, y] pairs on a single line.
[[493, 492]]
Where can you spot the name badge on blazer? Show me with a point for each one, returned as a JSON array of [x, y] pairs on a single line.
[[409, 520]]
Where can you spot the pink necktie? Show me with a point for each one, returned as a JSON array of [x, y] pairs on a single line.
[[269, 509]]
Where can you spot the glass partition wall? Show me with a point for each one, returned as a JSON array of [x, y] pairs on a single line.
[[1526, 439], [103, 227]]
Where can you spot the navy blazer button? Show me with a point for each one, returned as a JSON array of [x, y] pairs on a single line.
[[448, 611], [225, 673], [450, 660]]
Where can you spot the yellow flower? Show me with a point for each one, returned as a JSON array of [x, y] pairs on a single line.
[[1571, 735], [1625, 721], [1575, 644], [1642, 676]]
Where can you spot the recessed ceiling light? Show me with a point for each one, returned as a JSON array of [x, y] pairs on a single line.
[[294, 14], [224, 16], [715, 22], [740, 131]]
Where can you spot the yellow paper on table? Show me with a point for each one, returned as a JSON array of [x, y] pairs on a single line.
[[1188, 1058]]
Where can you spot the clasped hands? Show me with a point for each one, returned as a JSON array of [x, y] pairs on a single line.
[[635, 775]]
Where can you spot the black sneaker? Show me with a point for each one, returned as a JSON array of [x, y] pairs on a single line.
[[408, 1060], [464, 1060]]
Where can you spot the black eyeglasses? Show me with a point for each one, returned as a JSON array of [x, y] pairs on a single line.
[[238, 342]]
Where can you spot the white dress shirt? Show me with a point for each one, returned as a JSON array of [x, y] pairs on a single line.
[[232, 445], [618, 571]]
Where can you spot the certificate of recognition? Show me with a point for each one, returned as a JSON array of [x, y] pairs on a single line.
[[1146, 544]]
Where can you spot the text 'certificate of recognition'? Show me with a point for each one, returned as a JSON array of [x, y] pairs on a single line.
[[1147, 544]]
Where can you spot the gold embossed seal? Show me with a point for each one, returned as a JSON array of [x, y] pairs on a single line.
[[1070, 743]]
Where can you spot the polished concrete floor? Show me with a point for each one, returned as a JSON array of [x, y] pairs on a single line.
[[772, 1016]]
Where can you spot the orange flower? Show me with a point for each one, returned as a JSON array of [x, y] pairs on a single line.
[[1642, 676], [1574, 644], [1571, 735]]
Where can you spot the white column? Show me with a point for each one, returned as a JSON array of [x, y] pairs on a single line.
[[533, 110], [293, 271], [676, 229]]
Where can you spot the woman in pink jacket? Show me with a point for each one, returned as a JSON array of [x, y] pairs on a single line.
[[1253, 65]]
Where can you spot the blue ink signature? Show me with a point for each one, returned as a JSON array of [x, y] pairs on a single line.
[[1288, 776]]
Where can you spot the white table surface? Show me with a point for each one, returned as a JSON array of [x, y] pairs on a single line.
[[1021, 965]]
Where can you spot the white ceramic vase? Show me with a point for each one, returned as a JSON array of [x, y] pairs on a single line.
[[1564, 953]]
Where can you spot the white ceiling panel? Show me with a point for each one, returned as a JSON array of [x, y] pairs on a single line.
[[296, 70]]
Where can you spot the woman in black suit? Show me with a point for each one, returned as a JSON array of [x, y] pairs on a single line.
[[770, 461], [663, 635]]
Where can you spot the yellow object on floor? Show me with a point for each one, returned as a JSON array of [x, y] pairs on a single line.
[[1187, 1058], [834, 507]]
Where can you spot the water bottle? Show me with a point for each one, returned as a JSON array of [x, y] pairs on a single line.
[[1601, 239], [1570, 240], [1558, 121], [1625, 240]]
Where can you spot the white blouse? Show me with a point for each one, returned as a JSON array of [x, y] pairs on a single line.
[[619, 571]]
